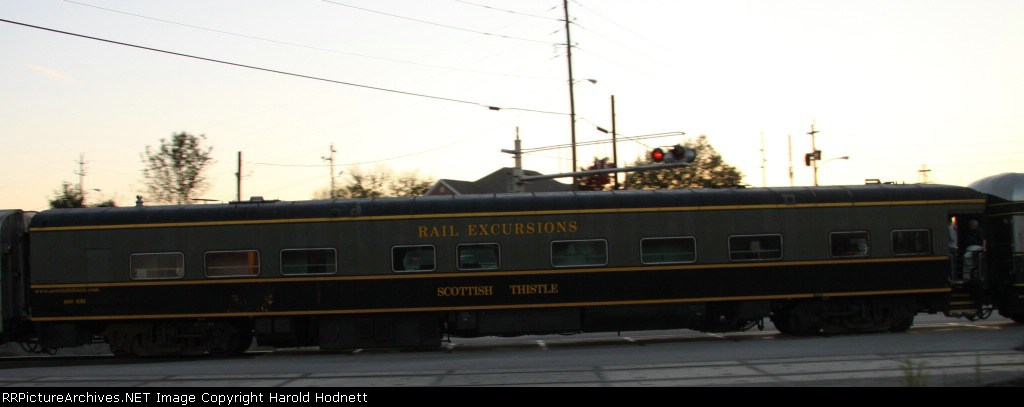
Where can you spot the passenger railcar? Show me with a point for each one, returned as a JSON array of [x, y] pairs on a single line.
[[1004, 283], [404, 272]]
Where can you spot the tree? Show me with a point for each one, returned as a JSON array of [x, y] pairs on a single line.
[[380, 182], [175, 171], [68, 196], [106, 204], [709, 170], [596, 182]]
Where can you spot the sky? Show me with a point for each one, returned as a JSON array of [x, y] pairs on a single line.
[[895, 86]]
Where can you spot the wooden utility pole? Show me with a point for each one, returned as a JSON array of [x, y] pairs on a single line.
[[81, 175], [572, 98], [924, 173], [615, 147], [814, 150], [764, 176], [790, 137], [330, 159], [515, 183], [238, 176]]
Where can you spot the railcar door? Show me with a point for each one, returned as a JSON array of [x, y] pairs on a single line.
[[12, 280]]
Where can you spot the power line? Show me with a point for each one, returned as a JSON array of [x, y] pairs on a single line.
[[613, 61], [372, 161], [595, 142], [528, 150], [438, 24], [953, 164], [401, 92], [302, 45], [619, 25], [510, 11], [623, 46]]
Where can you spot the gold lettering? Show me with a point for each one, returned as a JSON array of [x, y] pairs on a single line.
[[465, 291], [498, 229], [526, 289]]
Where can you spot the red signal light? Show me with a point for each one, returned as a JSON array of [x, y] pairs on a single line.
[[657, 155]]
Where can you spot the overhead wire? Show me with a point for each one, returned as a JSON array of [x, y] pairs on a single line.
[[396, 91], [270, 40], [437, 24], [349, 164], [510, 11], [624, 28]]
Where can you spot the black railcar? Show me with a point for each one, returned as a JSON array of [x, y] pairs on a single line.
[[402, 272]]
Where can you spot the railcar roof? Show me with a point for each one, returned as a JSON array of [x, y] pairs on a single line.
[[1007, 186], [498, 203]]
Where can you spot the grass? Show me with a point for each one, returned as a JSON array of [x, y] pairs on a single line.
[[914, 374]]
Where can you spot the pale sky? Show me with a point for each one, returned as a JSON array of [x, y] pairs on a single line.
[[894, 85]]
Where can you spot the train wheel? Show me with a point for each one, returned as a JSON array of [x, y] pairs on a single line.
[[903, 317], [800, 320], [241, 343], [781, 321]]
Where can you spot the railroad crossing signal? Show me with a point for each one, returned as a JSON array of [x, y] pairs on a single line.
[[677, 154], [815, 156]]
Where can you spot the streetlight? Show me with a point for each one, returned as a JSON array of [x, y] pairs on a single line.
[[572, 101], [845, 157]]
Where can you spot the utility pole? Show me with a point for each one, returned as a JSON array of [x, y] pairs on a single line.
[[81, 175], [790, 137], [330, 159], [924, 173], [572, 98], [615, 147], [814, 150], [764, 176], [515, 182], [519, 151], [238, 175]]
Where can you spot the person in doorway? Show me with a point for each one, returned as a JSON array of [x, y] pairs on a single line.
[[975, 243]]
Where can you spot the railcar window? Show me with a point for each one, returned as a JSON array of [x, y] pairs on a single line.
[[910, 242], [665, 250], [575, 253], [297, 262], [755, 247], [850, 244], [157, 266], [242, 263], [485, 256], [413, 258]]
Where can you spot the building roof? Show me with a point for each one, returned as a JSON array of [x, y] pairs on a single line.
[[499, 181]]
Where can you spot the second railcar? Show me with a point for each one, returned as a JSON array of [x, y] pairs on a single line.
[[402, 272]]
